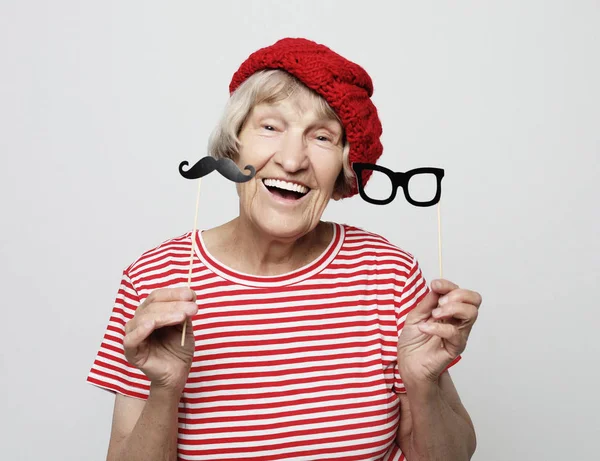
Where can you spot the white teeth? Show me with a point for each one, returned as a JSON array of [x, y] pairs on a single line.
[[286, 185]]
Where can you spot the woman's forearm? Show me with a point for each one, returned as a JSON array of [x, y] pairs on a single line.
[[441, 427], [154, 437]]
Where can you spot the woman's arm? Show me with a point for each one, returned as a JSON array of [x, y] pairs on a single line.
[[147, 430], [434, 425], [144, 430]]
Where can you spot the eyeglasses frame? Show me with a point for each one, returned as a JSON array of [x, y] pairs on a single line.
[[399, 179]]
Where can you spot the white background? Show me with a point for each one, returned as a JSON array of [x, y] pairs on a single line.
[[100, 101]]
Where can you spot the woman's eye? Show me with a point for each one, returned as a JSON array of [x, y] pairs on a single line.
[[269, 127], [323, 138]]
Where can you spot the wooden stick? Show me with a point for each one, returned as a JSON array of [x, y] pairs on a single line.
[[193, 236], [439, 219]]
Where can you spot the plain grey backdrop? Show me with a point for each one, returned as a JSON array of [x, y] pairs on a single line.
[[100, 101]]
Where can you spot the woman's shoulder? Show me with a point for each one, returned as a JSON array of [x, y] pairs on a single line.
[[363, 240], [173, 249]]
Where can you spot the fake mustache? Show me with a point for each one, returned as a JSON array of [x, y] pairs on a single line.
[[225, 166]]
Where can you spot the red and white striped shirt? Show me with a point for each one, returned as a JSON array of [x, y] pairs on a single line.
[[297, 366]]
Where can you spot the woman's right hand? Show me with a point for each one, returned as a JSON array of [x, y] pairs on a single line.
[[152, 340]]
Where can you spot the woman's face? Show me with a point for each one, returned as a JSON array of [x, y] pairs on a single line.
[[298, 157]]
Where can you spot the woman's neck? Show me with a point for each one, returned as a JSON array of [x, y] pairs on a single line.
[[251, 252]]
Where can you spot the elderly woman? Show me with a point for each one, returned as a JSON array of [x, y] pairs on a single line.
[[305, 339]]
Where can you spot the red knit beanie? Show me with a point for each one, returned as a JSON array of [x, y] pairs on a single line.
[[343, 84]]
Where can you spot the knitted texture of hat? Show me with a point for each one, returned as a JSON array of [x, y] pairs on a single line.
[[345, 86]]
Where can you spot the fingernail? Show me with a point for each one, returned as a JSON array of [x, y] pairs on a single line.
[[436, 284], [425, 326], [443, 300], [436, 312]]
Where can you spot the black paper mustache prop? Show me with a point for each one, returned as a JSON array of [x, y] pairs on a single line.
[[225, 166]]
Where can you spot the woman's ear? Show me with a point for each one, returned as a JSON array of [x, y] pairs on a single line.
[[341, 187], [337, 188]]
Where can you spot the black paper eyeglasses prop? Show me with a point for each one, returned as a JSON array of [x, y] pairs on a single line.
[[206, 165], [399, 179], [403, 179]]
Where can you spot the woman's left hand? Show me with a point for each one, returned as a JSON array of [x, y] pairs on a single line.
[[436, 331]]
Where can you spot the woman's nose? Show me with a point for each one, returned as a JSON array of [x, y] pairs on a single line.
[[292, 154]]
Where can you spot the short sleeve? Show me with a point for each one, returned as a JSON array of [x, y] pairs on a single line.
[[110, 369], [412, 293]]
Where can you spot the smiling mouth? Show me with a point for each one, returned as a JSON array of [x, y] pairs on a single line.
[[286, 190]]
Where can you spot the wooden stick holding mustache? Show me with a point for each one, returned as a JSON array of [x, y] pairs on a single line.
[[189, 281], [227, 168]]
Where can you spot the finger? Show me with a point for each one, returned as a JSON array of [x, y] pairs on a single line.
[[423, 310], [465, 313], [446, 331], [188, 307], [165, 319], [138, 334], [171, 294], [463, 296], [443, 286], [443, 330]]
